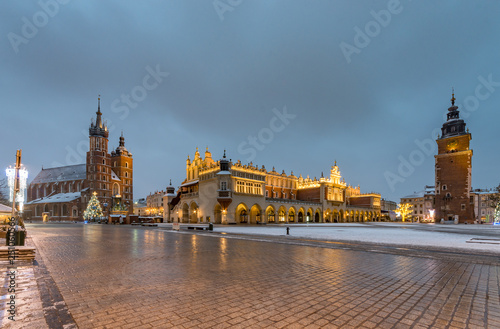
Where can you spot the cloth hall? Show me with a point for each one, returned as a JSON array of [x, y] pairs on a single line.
[[235, 193]]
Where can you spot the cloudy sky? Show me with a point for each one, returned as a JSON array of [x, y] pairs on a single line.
[[291, 84]]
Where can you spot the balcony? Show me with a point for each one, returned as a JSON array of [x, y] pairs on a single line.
[[224, 194], [190, 195]]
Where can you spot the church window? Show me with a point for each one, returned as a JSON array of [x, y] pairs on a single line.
[[126, 174], [116, 189], [126, 164]]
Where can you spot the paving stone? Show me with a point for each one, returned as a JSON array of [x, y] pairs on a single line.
[[133, 277]]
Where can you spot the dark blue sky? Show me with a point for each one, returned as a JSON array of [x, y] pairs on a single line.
[[291, 84]]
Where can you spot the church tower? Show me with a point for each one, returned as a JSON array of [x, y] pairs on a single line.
[[122, 180], [453, 170], [98, 162]]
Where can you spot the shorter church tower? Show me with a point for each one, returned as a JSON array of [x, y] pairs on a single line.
[[122, 180], [453, 170]]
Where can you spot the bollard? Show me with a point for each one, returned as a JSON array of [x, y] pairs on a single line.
[[287, 231]]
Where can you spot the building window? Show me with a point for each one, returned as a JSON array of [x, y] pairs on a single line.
[[267, 193], [257, 189], [463, 206], [444, 187], [240, 187], [223, 186], [126, 164]]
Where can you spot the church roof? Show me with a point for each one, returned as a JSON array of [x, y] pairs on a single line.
[[61, 174], [60, 197]]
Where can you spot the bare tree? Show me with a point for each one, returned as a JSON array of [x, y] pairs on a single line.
[[4, 192], [495, 197]]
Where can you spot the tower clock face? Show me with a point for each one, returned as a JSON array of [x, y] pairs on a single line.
[[452, 144]]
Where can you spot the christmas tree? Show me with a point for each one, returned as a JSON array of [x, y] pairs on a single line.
[[93, 210]]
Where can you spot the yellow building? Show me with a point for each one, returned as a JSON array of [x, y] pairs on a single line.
[[226, 192]]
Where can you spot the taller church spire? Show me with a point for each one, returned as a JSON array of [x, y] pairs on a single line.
[[98, 122], [98, 128]]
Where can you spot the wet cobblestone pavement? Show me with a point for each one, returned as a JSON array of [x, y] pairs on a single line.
[[135, 277]]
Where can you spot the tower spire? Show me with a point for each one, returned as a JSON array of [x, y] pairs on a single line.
[[453, 96], [98, 128], [98, 122]]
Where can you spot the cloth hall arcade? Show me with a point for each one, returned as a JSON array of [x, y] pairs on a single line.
[[234, 193]]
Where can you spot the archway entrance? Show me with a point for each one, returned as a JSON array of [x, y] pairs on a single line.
[[185, 213], [193, 213], [291, 215], [255, 214], [218, 214], [241, 215], [271, 216]]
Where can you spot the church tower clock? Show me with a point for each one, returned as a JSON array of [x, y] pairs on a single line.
[[453, 170]]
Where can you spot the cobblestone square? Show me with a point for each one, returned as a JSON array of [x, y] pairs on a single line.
[[135, 277]]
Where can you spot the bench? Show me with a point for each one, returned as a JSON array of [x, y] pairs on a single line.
[[149, 224], [20, 252]]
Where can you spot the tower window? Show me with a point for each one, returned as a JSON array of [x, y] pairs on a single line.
[[463, 206], [126, 164], [223, 186], [444, 187]]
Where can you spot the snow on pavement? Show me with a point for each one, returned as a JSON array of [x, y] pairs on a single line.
[[382, 233]]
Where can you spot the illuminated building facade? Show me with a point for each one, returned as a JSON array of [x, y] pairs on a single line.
[[154, 204], [422, 204], [226, 192], [62, 193]]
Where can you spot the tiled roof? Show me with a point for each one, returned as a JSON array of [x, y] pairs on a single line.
[[57, 198], [61, 174]]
